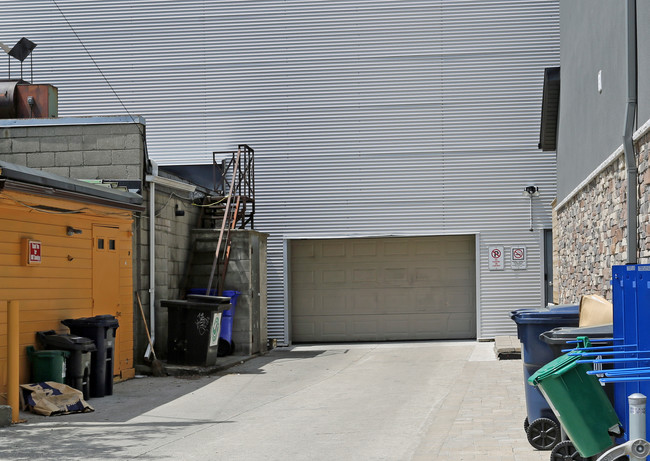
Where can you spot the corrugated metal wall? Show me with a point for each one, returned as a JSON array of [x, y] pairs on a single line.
[[367, 117]]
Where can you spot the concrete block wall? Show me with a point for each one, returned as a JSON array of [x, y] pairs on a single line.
[[591, 229], [91, 151], [246, 274], [173, 248]]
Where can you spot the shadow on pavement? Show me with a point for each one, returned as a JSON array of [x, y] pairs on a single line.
[[90, 441]]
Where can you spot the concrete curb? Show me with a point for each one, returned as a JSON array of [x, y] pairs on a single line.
[[507, 347], [223, 363], [5, 415]]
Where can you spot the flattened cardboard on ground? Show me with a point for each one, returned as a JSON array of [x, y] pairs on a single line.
[[595, 310], [51, 398]]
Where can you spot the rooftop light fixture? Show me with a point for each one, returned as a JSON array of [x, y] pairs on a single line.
[[20, 51]]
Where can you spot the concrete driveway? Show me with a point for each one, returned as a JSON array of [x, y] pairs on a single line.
[[444, 400]]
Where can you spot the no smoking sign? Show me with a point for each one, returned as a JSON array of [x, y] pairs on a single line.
[[518, 257]]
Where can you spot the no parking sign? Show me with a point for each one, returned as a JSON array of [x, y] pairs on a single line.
[[496, 259]]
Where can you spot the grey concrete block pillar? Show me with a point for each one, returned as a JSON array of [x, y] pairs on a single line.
[[246, 274]]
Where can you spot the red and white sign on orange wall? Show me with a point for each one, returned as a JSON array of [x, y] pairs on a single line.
[[32, 252]]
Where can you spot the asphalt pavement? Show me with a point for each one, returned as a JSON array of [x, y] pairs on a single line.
[[437, 400]]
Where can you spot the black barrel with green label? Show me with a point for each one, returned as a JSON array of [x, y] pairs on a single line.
[[193, 329]]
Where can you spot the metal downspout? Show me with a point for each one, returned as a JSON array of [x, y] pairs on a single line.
[[152, 260], [628, 143]]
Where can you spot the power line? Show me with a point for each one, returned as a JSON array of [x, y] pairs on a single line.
[[97, 66]]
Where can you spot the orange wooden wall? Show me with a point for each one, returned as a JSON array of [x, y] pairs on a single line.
[[61, 286]]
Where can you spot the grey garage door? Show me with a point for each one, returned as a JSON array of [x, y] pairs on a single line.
[[375, 289]]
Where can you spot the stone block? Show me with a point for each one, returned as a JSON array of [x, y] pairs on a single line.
[[75, 142], [127, 156], [68, 159], [41, 160], [54, 144], [112, 172], [25, 145], [60, 170], [84, 172], [68, 130], [110, 142], [18, 159], [133, 172], [97, 157], [5, 415], [133, 141], [5, 146], [127, 128], [89, 142], [8, 133], [104, 130], [41, 131]]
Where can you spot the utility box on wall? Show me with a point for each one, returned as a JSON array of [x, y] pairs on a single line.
[[36, 101]]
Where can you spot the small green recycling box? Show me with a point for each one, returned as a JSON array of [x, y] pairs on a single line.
[[579, 403]]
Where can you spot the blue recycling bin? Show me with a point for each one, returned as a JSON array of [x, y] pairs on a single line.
[[226, 344], [631, 306], [541, 425]]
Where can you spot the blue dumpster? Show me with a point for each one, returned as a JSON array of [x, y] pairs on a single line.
[[541, 425]]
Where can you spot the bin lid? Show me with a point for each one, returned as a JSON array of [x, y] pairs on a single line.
[[559, 312], [218, 305], [49, 353], [107, 321], [209, 299], [561, 335], [65, 341], [554, 368], [558, 320]]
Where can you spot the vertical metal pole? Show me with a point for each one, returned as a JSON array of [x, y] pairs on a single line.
[[637, 404], [13, 358]]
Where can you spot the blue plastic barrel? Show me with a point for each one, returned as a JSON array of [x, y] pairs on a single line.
[[227, 319], [531, 323]]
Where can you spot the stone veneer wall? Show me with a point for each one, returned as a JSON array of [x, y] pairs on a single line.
[[591, 228]]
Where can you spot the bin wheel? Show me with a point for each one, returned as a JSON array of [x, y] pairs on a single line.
[[543, 434], [526, 424], [566, 451]]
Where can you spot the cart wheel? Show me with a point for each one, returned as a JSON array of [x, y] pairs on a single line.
[[543, 434], [526, 424], [565, 451]]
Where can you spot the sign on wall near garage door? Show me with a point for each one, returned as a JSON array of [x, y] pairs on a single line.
[[518, 257], [496, 258]]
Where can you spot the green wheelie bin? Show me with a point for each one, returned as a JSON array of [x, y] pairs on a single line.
[[579, 403]]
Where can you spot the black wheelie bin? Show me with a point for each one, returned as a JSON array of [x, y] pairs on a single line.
[[78, 364], [101, 329]]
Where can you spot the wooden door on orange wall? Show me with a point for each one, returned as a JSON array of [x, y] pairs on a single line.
[[106, 279]]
